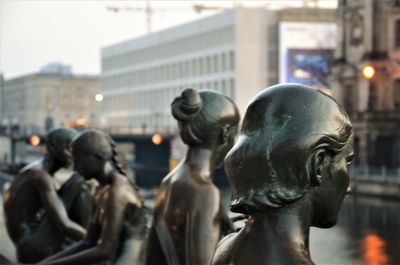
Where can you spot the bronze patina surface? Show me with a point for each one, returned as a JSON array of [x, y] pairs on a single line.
[[288, 172], [188, 216], [42, 210], [117, 229]]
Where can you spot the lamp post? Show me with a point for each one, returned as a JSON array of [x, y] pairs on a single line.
[[368, 71], [99, 123], [99, 97]]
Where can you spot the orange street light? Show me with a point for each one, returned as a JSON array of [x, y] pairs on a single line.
[[80, 122], [34, 140], [157, 139]]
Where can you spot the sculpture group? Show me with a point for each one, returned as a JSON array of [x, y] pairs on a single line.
[[287, 171]]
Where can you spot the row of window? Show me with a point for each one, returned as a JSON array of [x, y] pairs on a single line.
[[216, 38], [159, 99], [206, 65], [152, 108]]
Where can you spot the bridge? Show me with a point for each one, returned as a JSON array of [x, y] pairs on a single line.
[[151, 162], [151, 153]]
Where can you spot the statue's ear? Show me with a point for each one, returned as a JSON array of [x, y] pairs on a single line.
[[99, 157], [50, 147], [108, 167], [318, 161]]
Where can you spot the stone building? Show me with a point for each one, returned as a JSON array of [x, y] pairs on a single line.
[[37, 102], [234, 52], [369, 35]]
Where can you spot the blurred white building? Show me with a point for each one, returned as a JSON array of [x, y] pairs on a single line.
[[235, 52], [35, 103]]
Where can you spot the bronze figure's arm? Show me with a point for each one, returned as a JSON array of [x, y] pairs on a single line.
[[227, 225], [55, 208], [75, 248], [110, 232], [201, 230], [93, 233], [83, 206]]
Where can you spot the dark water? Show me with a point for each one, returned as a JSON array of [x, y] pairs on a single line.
[[368, 232]]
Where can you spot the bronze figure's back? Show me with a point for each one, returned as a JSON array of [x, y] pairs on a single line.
[[188, 216]]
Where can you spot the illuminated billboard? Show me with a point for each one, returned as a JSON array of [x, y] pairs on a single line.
[[305, 52]]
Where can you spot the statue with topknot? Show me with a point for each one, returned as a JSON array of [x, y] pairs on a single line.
[[188, 217], [47, 204], [288, 172], [117, 228]]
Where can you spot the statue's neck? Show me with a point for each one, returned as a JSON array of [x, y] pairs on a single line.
[[286, 228], [202, 162], [52, 166]]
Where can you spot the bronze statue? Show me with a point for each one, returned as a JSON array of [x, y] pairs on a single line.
[[47, 203], [288, 171], [117, 230], [188, 215]]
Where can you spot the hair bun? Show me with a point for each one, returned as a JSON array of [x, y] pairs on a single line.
[[187, 105]]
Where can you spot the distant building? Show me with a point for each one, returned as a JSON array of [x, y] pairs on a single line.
[[236, 52], [56, 68], [369, 35], [2, 103], [35, 103]]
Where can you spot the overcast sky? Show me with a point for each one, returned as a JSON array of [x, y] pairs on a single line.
[[34, 33]]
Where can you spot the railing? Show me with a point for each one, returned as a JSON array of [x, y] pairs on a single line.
[[376, 115], [383, 173]]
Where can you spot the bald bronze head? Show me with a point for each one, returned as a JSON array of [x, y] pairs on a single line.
[[294, 140]]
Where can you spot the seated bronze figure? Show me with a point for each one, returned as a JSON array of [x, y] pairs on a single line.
[[188, 215], [288, 172], [47, 203], [117, 229]]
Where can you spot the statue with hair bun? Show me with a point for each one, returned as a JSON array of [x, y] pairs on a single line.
[[117, 229], [288, 171], [188, 217]]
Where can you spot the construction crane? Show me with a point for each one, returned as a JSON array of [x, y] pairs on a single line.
[[149, 10], [201, 8]]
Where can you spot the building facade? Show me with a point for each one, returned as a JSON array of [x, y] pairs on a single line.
[[1, 97], [235, 53], [38, 102], [369, 35]]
